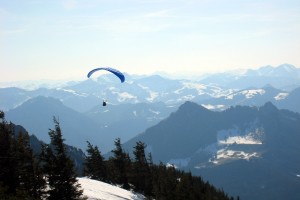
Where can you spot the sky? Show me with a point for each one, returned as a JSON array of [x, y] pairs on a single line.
[[64, 39]]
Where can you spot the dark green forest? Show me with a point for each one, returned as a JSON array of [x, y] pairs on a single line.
[[52, 174]]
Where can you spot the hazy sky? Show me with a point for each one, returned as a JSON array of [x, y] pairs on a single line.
[[58, 39]]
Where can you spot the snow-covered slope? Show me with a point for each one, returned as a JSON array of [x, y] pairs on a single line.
[[96, 190]]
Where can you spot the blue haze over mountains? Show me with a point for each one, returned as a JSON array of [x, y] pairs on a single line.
[[229, 127]]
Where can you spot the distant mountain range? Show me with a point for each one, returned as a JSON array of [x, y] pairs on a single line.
[[84, 95], [140, 102], [252, 152], [285, 76], [257, 97]]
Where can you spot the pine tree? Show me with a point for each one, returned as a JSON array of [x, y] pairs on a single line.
[[94, 166], [30, 178], [164, 181], [8, 177], [142, 179], [19, 176], [184, 187], [120, 165], [59, 168]]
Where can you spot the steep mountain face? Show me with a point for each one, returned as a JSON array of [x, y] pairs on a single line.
[[252, 152]]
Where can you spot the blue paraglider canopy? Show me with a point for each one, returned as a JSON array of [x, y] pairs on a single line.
[[112, 70]]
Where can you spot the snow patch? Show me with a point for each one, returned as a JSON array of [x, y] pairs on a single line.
[[240, 140], [143, 87], [112, 88], [226, 149], [155, 112], [97, 190], [123, 96], [171, 165], [213, 107], [281, 96], [153, 96], [225, 154], [247, 93], [186, 98], [195, 86], [229, 97], [251, 93], [72, 92], [134, 113], [253, 135]]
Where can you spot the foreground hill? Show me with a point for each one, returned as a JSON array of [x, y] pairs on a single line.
[[250, 151], [139, 174]]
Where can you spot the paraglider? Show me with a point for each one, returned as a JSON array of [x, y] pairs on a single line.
[[112, 70]]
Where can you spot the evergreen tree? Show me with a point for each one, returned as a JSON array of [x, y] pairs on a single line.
[[183, 187], [30, 178], [59, 168], [8, 177], [120, 165], [94, 164], [19, 172], [164, 181], [142, 180]]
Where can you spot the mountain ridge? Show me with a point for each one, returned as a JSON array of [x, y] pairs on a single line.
[[240, 144]]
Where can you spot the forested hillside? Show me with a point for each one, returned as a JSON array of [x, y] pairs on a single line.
[[26, 175]]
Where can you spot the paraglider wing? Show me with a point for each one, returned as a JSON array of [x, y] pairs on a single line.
[[114, 71]]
